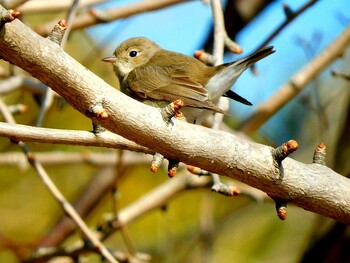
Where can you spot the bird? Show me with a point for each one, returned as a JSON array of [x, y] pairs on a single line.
[[157, 76]]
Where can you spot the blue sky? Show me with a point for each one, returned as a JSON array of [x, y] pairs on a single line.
[[185, 27]]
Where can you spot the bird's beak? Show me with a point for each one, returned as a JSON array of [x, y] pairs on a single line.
[[110, 59]]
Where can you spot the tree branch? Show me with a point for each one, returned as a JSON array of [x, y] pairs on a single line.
[[37, 6], [94, 17], [290, 16], [311, 186], [57, 158], [296, 84], [17, 132]]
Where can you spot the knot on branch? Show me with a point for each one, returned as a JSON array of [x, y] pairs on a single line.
[[156, 162], [172, 168], [281, 209], [320, 154], [58, 31], [204, 57], [171, 110], [101, 16], [218, 186], [290, 14], [225, 189], [8, 16], [233, 46], [197, 171], [97, 111], [281, 152]]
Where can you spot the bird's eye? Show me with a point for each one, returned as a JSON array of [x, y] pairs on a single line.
[[133, 53]]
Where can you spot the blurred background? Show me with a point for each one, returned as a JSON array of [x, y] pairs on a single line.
[[193, 225]]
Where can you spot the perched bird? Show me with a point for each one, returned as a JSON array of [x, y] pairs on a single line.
[[156, 76]]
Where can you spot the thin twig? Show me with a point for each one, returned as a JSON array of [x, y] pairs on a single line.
[[72, 12], [289, 19]]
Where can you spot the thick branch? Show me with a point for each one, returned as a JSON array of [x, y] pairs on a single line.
[[313, 187]]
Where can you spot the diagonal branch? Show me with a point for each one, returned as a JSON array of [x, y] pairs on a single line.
[[311, 186], [289, 18], [297, 83], [37, 6], [94, 17]]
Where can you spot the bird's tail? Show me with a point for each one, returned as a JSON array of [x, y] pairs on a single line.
[[256, 56], [241, 65]]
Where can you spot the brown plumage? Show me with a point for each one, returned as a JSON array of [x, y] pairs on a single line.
[[149, 73]]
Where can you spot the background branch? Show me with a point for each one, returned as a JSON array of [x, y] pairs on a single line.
[[290, 16], [94, 17], [298, 82], [41, 6], [107, 139]]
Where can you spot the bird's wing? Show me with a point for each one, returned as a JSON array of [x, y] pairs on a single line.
[[168, 84]]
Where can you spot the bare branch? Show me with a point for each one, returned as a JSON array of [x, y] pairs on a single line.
[[41, 6], [10, 4], [290, 16], [17, 132], [16, 82], [67, 158], [93, 17], [297, 83], [345, 76]]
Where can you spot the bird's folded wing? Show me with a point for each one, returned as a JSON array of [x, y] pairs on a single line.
[[168, 84]]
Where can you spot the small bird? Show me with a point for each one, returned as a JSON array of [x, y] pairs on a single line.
[[156, 76]]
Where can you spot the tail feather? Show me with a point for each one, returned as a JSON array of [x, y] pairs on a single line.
[[227, 74], [234, 96], [241, 65], [256, 56]]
